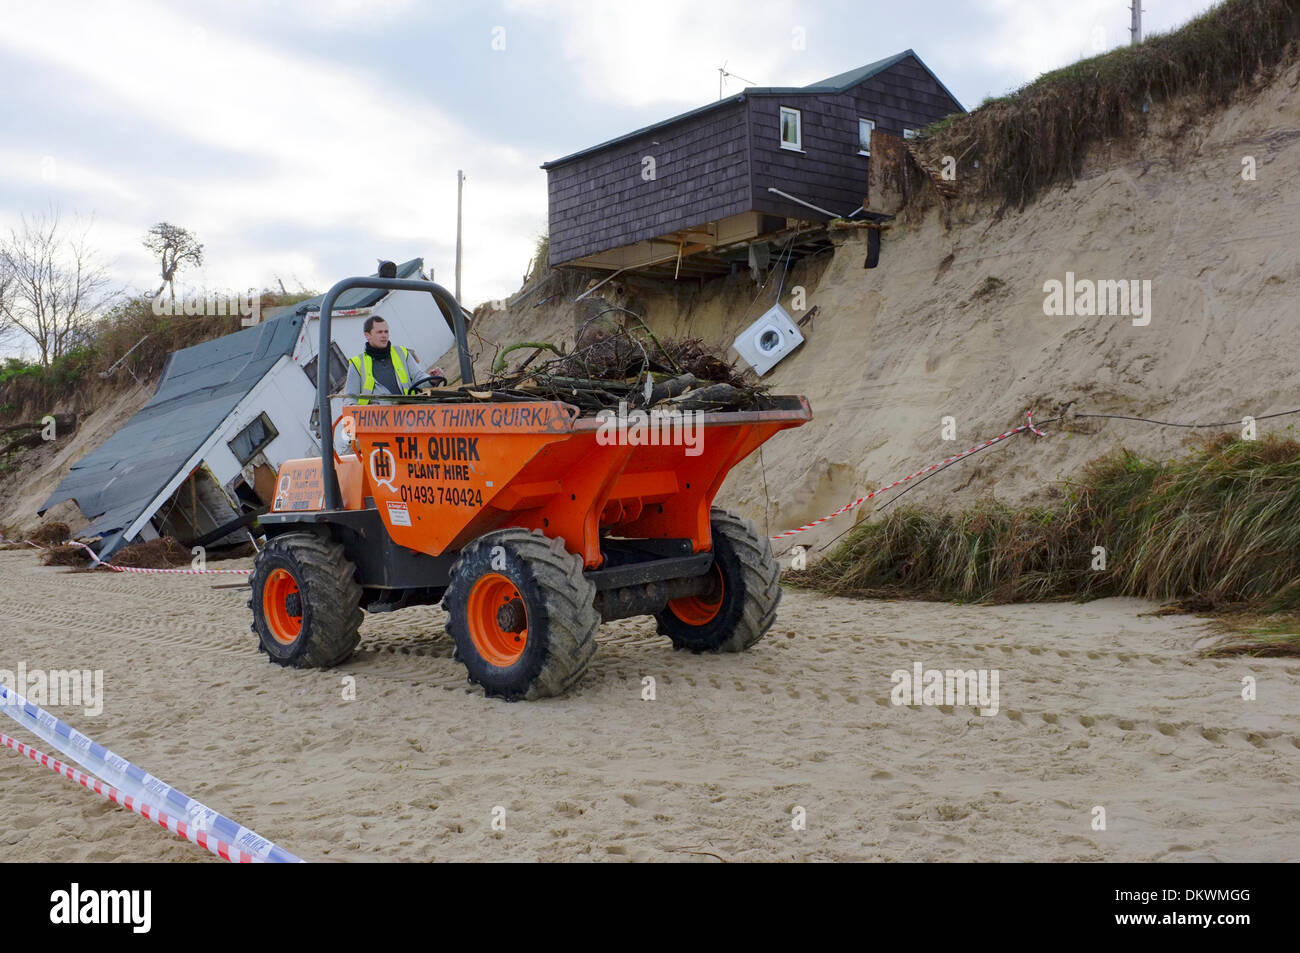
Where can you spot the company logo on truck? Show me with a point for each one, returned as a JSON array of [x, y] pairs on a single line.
[[383, 465]]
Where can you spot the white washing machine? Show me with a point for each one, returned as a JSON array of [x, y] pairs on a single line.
[[767, 341]]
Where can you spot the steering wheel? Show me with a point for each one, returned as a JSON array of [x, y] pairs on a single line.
[[430, 380]]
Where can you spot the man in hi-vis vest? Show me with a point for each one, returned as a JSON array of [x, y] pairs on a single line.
[[383, 368]]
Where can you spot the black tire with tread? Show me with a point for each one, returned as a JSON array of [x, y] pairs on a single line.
[[751, 591], [559, 601], [331, 600]]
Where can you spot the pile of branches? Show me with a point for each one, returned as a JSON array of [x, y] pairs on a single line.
[[65, 554], [627, 365], [48, 534]]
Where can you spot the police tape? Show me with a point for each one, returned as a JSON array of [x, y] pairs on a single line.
[[143, 808], [1029, 416], [134, 781], [96, 561]]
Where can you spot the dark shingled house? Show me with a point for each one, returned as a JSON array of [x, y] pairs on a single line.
[[689, 195]]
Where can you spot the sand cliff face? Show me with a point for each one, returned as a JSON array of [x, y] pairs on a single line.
[[952, 322], [41, 469]]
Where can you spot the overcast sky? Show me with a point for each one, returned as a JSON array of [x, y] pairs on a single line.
[[304, 139]]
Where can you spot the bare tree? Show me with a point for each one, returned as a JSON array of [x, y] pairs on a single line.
[[53, 285], [6, 294], [175, 247]]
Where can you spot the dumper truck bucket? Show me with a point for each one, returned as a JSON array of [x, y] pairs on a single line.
[[444, 474]]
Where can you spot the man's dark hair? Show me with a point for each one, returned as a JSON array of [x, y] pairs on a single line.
[[370, 322]]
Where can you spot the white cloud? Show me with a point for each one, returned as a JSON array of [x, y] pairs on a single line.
[[61, 173], [343, 14], [636, 54], [1031, 37], [337, 147]]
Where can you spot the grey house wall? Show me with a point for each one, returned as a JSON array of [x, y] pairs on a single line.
[[600, 201], [829, 172]]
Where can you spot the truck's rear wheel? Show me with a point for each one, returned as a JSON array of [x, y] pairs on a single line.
[[741, 606], [522, 614], [306, 601]]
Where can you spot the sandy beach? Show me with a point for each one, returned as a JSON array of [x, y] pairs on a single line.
[[1100, 705]]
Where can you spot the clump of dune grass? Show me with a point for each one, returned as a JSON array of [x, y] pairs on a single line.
[[1015, 146], [1223, 525], [1244, 633], [1220, 526], [988, 553]]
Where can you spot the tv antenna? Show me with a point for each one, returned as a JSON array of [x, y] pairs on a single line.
[[722, 74]]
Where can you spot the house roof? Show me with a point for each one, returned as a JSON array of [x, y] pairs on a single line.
[[361, 297], [367, 297], [839, 83], [200, 386], [845, 81]]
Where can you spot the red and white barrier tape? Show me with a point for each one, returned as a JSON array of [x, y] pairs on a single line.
[[148, 811], [182, 572], [1029, 416], [1029, 425]]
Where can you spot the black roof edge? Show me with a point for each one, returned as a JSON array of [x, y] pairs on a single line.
[[889, 62]]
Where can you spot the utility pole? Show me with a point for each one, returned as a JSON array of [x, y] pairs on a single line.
[[1135, 27], [460, 188]]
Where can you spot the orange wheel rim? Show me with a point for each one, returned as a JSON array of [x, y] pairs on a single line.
[[282, 606], [699, 610], [498, 620]]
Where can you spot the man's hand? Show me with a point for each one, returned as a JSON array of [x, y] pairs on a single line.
[[435, 371]]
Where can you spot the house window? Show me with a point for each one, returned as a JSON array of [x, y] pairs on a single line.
[[909, 133], [338, 368], [865, 126], [253, 439], [791, 133]]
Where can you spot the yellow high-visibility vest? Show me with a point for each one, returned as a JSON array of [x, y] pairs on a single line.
[[365, 366]]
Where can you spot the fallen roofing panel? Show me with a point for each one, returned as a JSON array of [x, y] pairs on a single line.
[[200, 386]]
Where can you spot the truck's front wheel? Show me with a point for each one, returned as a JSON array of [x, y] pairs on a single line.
[[306, 601], [522, 614]]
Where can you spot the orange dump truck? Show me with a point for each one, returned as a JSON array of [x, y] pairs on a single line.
[[530, 524]]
